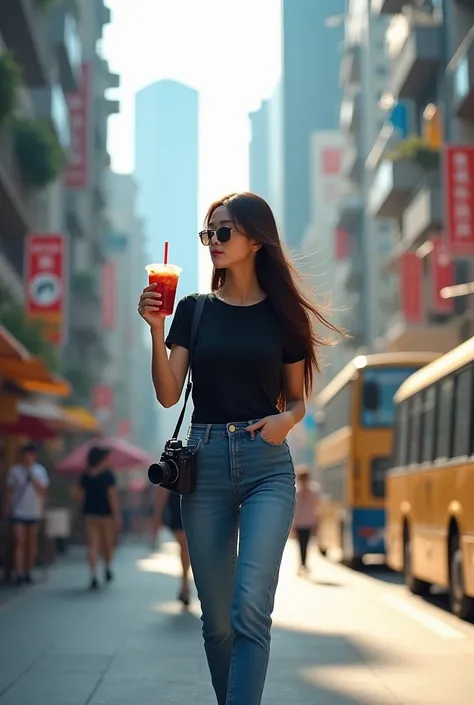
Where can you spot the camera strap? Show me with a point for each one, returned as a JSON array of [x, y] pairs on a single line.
[[200, 301]]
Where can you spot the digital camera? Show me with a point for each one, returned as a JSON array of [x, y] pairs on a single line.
[[176, 470]]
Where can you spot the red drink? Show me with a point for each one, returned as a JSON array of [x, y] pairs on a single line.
[[166, 277]]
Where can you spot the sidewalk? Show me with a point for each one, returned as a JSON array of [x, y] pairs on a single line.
[[130, 644]]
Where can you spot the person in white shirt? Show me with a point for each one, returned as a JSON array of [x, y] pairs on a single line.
[[27, 484]]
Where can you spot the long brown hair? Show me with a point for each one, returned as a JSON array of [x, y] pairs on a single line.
[[278, 278]]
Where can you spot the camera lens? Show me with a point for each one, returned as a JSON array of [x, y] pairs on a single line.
[[163, 473]]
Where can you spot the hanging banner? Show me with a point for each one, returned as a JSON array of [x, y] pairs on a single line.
[[441, 275], [343, 244], [77, 170], [411, 287], [45, 281], [459, 194], [102, 402]]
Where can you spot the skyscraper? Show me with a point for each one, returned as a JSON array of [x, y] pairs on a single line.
[[166, 173], [309, 100], [259, 164]]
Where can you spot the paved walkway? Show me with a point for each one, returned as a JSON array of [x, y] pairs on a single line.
[[336, 641]]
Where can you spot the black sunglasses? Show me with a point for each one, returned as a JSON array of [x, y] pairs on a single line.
[[223, 234]]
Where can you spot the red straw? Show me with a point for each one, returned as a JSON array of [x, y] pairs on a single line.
[[165, 257]]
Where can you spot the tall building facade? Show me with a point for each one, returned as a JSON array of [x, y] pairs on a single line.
[[128, 367], [85, 210], [55, 112], [308, 101], [368, 289], [166, 173], [259, 152], [422, 165]]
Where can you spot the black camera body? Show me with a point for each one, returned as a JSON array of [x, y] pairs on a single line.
[[176, 470]]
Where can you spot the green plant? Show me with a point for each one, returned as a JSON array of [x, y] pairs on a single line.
[[39, 155], [418, 150], [10, 80], [31, 334]]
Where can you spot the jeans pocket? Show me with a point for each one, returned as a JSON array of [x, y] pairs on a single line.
[[269, 443]]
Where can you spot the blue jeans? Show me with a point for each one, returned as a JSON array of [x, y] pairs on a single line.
[[246, 492]]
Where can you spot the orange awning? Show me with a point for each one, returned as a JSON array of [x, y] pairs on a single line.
[[82, 418], [26, 371]]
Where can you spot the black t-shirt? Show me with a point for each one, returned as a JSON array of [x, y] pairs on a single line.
[[96, 493], [238, 361]]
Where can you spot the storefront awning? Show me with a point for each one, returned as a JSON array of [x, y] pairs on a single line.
[[45, 419], [27, 372], [83, 418]]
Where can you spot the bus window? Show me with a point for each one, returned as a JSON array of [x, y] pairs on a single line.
[[380, 385], [429, 424], [415, 429], [379, 467], [462, 414], [403, 427], [445, 406]]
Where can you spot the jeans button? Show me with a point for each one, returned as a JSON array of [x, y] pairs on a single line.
[[232, 428]]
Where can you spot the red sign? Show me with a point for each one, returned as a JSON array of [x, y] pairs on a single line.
[[411, 287], [442, 275], [102, 401], [45, 280], [124, 428], [332, 158], [109, 295], [459, 187], [343, 244], [77, 170]]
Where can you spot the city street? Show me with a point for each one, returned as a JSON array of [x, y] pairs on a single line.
[[339, 638]]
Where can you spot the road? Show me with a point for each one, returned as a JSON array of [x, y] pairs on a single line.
[[339, 638]]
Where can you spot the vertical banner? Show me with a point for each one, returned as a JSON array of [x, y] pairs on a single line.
[[459, 194], [330, 173], [77, 170], [441, 275], [109, 295], [124, 428], [343, 247], [45, 282], [102, 402], [411, 287]]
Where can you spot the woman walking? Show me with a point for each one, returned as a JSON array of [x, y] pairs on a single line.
[[253, 364], [98, 499], [306, 517]]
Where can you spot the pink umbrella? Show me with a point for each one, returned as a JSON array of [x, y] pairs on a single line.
[[123, 455]]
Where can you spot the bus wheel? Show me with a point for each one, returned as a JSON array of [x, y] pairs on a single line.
[[416, 586], [461, 605]]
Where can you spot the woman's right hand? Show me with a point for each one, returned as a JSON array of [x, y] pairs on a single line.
[[149, 307]]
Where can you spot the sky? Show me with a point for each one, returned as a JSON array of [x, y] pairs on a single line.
[[229, 50]]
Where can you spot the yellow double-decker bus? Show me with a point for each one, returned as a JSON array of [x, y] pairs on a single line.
[[356, 416], [430, 488]]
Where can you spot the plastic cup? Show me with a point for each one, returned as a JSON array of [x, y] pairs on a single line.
[[166, 278]]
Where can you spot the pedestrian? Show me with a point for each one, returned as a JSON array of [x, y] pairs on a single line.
[[99, 502], [253, 363], [27, 485], [306, 515], [168, 513]]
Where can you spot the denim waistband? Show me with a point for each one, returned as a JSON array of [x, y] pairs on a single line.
[[206, 430]]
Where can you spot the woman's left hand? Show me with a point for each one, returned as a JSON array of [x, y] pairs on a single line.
[[274, 429]]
